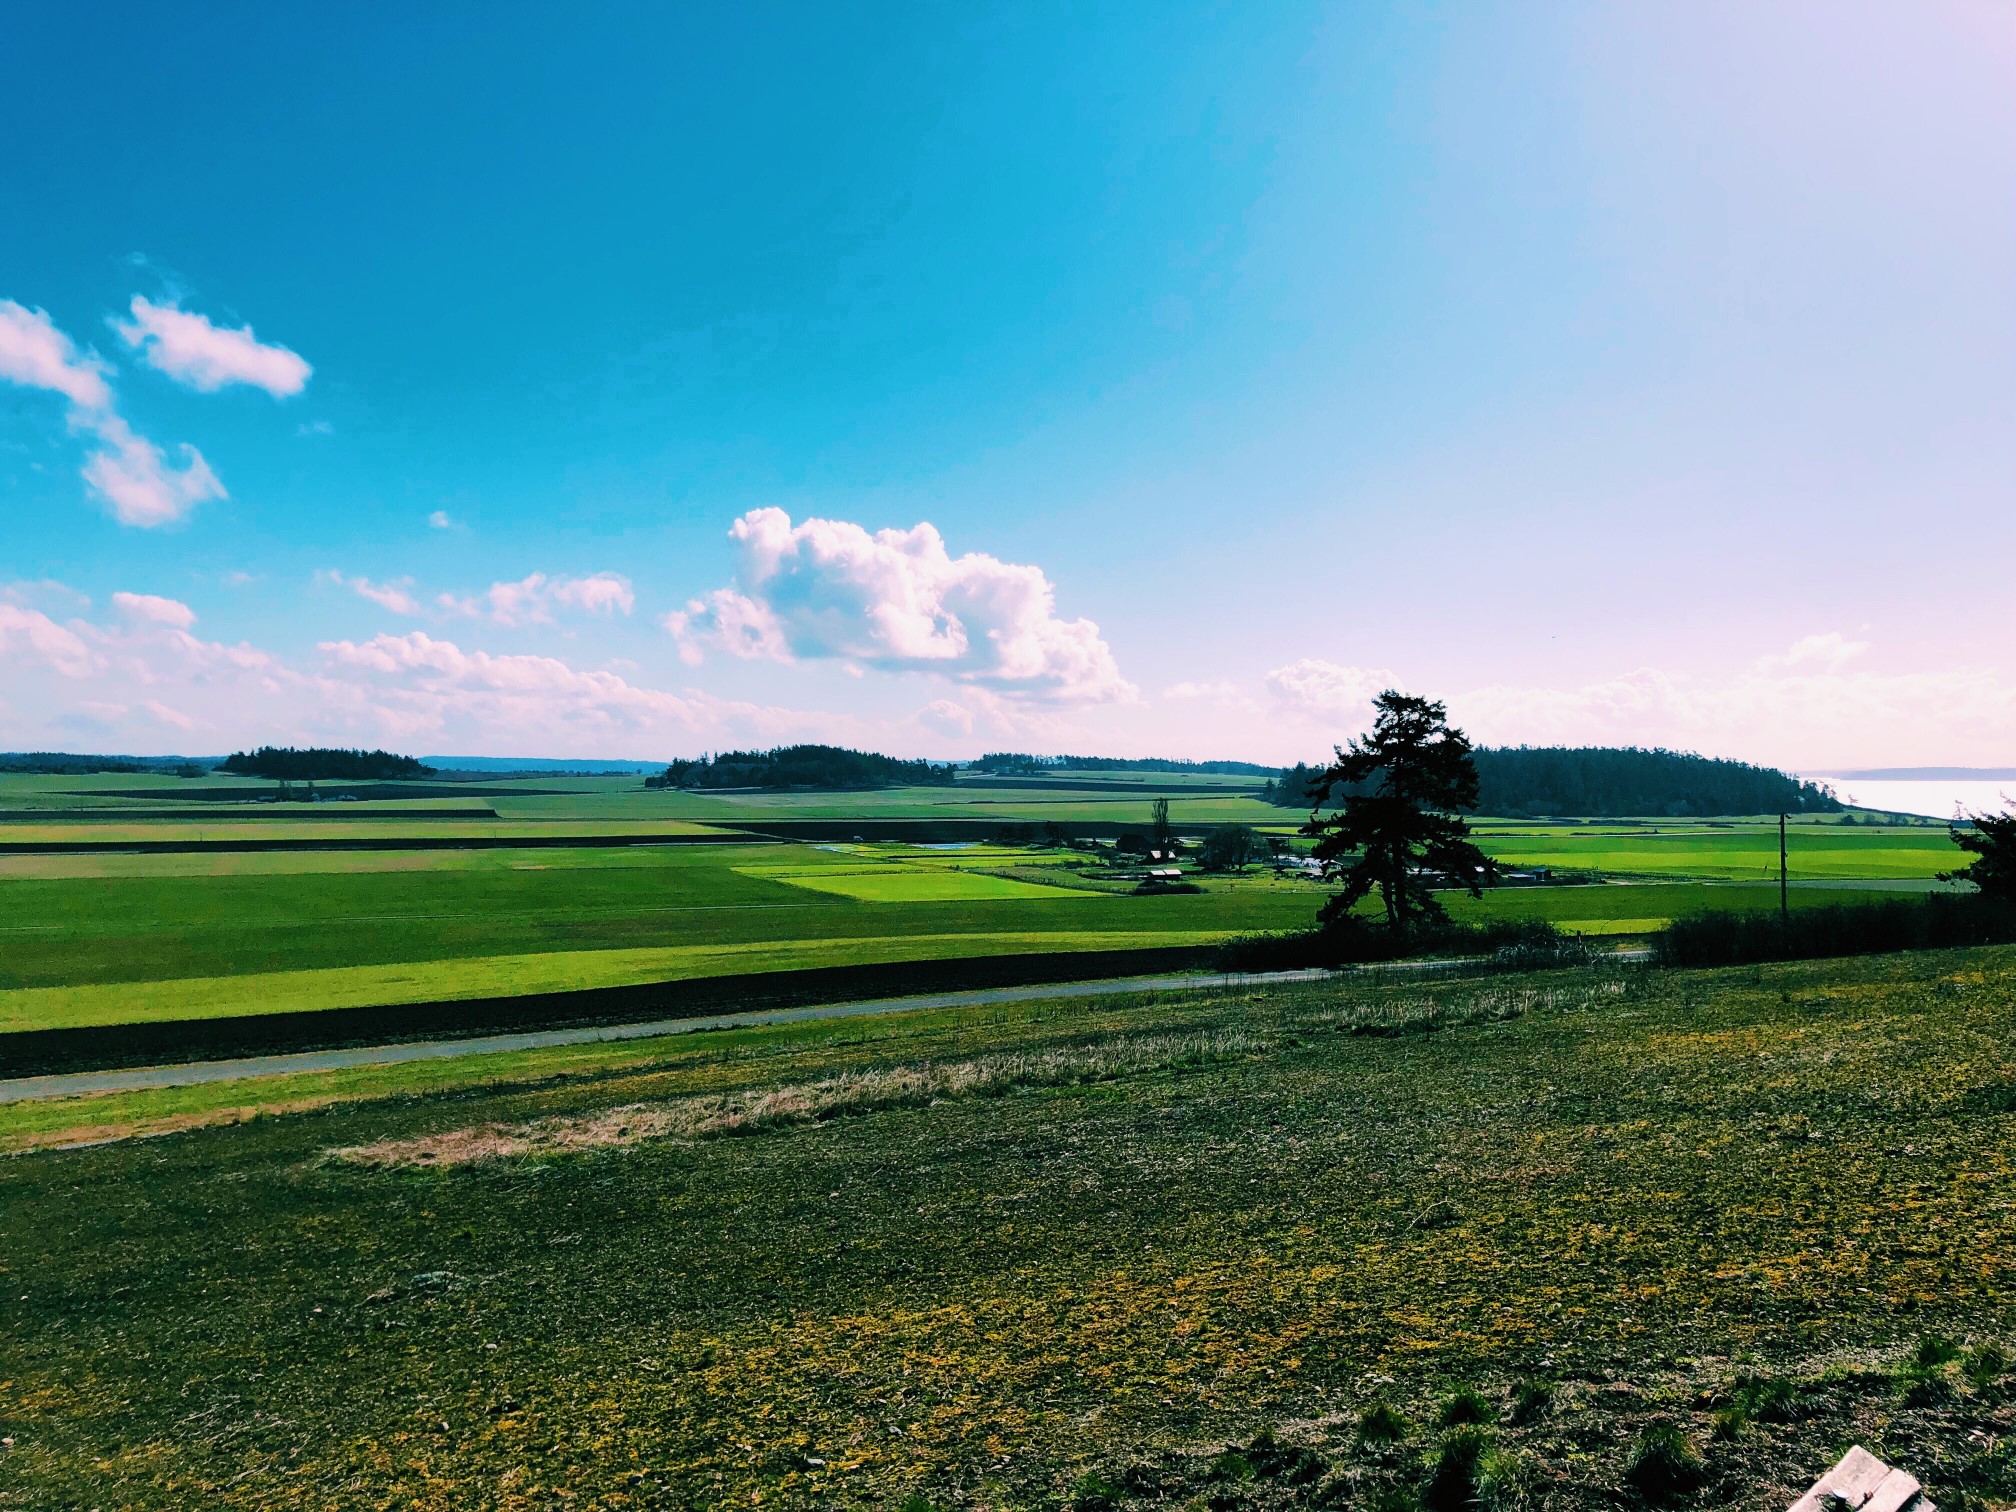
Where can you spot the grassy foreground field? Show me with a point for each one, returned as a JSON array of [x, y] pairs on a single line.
[[975, 1258]]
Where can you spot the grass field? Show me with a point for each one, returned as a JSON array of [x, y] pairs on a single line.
[[972, 1259], [1731, 853], [119, 937]]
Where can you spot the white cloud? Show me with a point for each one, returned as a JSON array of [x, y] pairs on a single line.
[[315, 428], [394, 595], [602, 593], [151, 609], [142, 487], [531, 600], [439, 520], [127, 470], [425, 685], [897, 601], [947, 717], [125, 678], [192, 351], [34, 354], [27, 634], [1326, 689], [1828, 652]]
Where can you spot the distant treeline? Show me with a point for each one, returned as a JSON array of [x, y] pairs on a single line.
[[801, 766], [1019, 764], [322, 764], [70, 764], [1603, 782]]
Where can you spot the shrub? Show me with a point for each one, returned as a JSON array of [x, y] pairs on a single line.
[[1094, 1493], [1664, 1466], [1381, 1423], [1532, 1399], [1289, 1464], [1771, 1399], [1933, 1351], [1453, 1483], [1928, 1390], [1467, 1407], [1985, 1362], [1933, 922], [1529, 944], [1760, 1399]]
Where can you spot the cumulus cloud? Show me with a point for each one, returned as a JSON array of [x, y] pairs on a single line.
[[896, 601], [34, 354], [30, 635], [206, 357], [1829, 651], [152, 609], [126, 469], [602, 593], [140, 669], [532, 599], [439, 520], [1326, 689], [129, 472], [394, 595]]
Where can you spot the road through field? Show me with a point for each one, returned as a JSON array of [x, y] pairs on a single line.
[[142, 1078]]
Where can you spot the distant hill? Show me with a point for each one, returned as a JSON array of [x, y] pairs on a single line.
[[802, 766], [70, 763], [1017, 764], [1607, 782], [544, 765]]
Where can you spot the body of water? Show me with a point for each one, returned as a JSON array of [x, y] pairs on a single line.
[[1920, 796]]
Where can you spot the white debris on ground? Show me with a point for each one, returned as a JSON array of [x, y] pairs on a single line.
[[1863, 1483]]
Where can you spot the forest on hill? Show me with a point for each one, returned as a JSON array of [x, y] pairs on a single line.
[[73, 764], [1605, 782], [801, 766], [1021, 764], [322, 764]]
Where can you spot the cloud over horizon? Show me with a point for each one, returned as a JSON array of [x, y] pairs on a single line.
[[896, 601]]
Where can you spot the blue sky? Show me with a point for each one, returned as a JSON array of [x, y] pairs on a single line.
[[633, 381]]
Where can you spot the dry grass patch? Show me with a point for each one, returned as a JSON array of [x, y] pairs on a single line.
[[757, 1109]]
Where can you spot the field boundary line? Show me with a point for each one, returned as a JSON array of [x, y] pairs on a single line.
[[195, 1073]]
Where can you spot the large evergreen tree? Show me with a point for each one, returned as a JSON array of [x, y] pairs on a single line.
[[1397, 831], [1992, 843]]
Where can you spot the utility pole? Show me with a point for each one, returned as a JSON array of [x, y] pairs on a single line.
[[1784, 886]]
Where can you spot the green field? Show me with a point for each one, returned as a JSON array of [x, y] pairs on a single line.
[[975, 1257], [112, 937]]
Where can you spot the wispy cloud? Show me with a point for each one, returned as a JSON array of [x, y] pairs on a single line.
[[127, 470], [897, 601], [152, 609], [395, 595], [439, 520], [35, 354], [532, 599], [206, 357], [141, 485]]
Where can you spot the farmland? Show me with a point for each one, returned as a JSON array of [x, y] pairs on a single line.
[[1055, 1255], [137, 898]]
